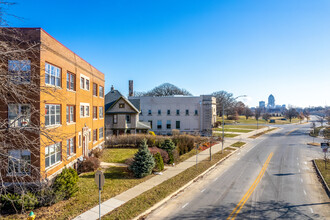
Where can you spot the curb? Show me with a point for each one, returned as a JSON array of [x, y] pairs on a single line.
[[157, 205], [322, 179]]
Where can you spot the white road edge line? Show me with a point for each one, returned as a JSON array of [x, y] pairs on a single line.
[[203, 190], [311, 210], [305, 192], [185, 205], [215, 179]]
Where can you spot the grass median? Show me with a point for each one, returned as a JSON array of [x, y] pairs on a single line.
[[148, 199], [325, 171], [262, 133], [238, 144]]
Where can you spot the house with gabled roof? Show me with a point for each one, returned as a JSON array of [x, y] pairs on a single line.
[[122, 115]]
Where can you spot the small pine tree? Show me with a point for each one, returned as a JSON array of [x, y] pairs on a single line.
[[168, 145], [143, 161], [65, 184], [159, 162]]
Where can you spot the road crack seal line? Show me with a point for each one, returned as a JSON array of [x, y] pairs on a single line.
[[247, 195]]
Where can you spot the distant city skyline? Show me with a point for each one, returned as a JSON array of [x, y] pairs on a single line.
[[252, 48]]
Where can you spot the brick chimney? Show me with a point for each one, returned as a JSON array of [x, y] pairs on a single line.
[[130, 88]]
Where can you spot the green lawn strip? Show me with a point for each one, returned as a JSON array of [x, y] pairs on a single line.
[[188, 155], [149, 198], [261, 133], [238, 144], [253, 127], [117, 180], [325, 172], [117, 155], [233, 130], [226, 135], [315, 133]]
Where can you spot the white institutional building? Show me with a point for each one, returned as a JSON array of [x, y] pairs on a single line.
[[190, 114]]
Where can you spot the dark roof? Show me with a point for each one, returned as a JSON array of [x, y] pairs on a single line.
[[111, 97], [136, 103]]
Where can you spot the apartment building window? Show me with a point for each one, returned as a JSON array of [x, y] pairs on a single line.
[[128, 119], [168, 124], [53, 114], [121, 105], [196, 112], [52, 75], [178, 112], [115, 119], [70, 146], [53, 154], [101, 133], [19, 162], [177, 125], [19, 115], [95, 135], [20, 71], [159, 112], [70, 113], [94, 89], [101, 91], [149, 112], [84, 110], [84, 82], [187, 111], [159, 124], [79, 139], [168, 112], [101, 112], [94, 112], [150, 121], [71, 81]]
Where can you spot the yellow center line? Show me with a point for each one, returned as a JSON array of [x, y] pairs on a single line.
[[292, 131], [246, 196]]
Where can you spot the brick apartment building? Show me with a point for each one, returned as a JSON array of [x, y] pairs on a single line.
[[68, 108]]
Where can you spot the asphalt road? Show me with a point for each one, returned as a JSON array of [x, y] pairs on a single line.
[[270, 178]]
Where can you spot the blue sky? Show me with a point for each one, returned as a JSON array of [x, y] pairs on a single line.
[[246, 47]]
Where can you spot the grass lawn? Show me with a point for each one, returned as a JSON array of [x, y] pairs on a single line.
[[315, 133], [325, 172], [252, 120], [251, 127], [117, 155], [117, 180], [261, 133], [185, 156], [226, 135], [147, 199], [238, 144], [239, 130]]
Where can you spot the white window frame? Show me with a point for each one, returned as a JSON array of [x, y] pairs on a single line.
[[70, 147], [70, 115], [86, 110], [101, 129], [19, 120], [101, 112], [19, 162], [101, 94], [57, 153], [55, 114], [84, 84], [53, 72], [79, 140]]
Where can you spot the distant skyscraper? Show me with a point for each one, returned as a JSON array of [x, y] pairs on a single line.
[[271, 101], [262, 104]]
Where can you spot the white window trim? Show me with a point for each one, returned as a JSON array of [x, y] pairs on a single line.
[[89, 135], [85, 77], [102, 133], [58, 162], [19, 174], [89, 112], [54, 125], [101, 107], [79, 137], [49, 84]]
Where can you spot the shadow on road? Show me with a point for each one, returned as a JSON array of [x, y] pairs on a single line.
[[259, 210]]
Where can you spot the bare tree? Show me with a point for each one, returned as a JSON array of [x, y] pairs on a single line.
[[21, 132], [291, 113], [247, 112], [257, 113], [225, 99], [165, 89], [306, 113], [266, 116]]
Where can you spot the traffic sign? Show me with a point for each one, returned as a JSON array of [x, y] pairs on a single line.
[[99, 179]]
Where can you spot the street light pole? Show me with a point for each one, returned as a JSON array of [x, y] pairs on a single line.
[[223, 121]]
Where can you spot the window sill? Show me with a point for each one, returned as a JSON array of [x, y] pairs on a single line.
[[52, 126], [71, 156], [84, 89], [95, 96], [71, 123], [69, 90], [53, 86], [95, 119], [53, 166]]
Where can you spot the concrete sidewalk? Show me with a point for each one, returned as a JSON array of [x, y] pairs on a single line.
[[170, 172]]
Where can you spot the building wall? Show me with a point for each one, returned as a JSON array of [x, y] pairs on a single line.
[[58, 55], [188, 123]]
